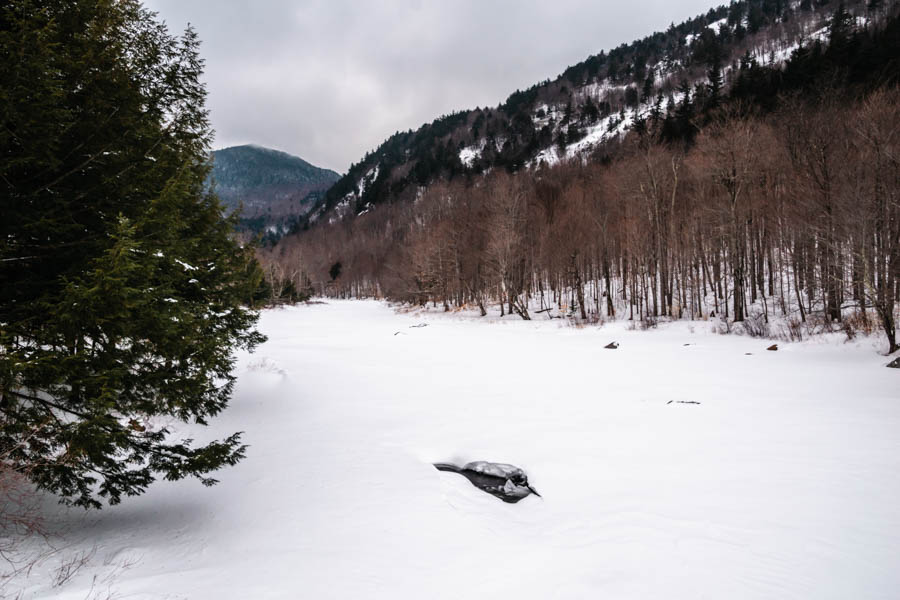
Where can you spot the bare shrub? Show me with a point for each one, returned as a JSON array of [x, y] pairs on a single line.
[[71, 565], [791, 330], [818, 323], [648, 323], [21, 521], [849, 329], [858, 322], [19, 511], [25, 539], [721, 326], [757, 326]]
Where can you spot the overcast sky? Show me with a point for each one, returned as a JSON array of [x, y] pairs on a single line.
[[329, 80]]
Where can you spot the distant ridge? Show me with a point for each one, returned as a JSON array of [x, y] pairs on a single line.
[[275, 189]]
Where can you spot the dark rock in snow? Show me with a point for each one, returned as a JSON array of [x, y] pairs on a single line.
[[894, 364], [682, 402], [612, 346], [773, 347], [506, 482]]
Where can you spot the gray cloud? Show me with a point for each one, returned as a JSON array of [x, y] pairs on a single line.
[[328, 80]]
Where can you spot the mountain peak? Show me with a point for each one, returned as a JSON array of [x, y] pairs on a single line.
[[273, 188]]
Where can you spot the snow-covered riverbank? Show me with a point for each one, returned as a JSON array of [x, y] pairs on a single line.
[[781, 483]]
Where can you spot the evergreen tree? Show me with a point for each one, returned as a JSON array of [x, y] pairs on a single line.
[[684, 113], [639, 126], [656, 110], [714, 88], [589, 111], [561, 142], [840, 27], [631, 96], [647, 91], [756, 19], [121, 286]]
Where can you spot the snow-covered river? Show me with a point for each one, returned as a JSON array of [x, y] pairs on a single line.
[[783, 482]]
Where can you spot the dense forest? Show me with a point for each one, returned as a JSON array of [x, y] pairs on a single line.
[[772, 192]]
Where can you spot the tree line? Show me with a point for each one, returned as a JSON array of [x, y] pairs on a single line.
[[793, 213], [773, 191]]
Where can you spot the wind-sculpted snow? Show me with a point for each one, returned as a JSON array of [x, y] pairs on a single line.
[[666, 470]]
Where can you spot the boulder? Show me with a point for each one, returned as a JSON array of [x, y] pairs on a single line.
[[507, 482], [612, 346]]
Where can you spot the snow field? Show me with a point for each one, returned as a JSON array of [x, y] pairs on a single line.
[[781, 483]]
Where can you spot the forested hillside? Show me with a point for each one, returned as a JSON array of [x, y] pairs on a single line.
[[591, 104], [274, 190], [772, 191]]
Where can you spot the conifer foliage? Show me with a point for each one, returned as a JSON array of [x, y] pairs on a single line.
[[122, 290]]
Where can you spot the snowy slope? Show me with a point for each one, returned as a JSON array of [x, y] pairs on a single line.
[[781, 483], [581, 113]]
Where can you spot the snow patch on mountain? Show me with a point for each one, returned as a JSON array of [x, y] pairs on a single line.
[[469, 154]]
